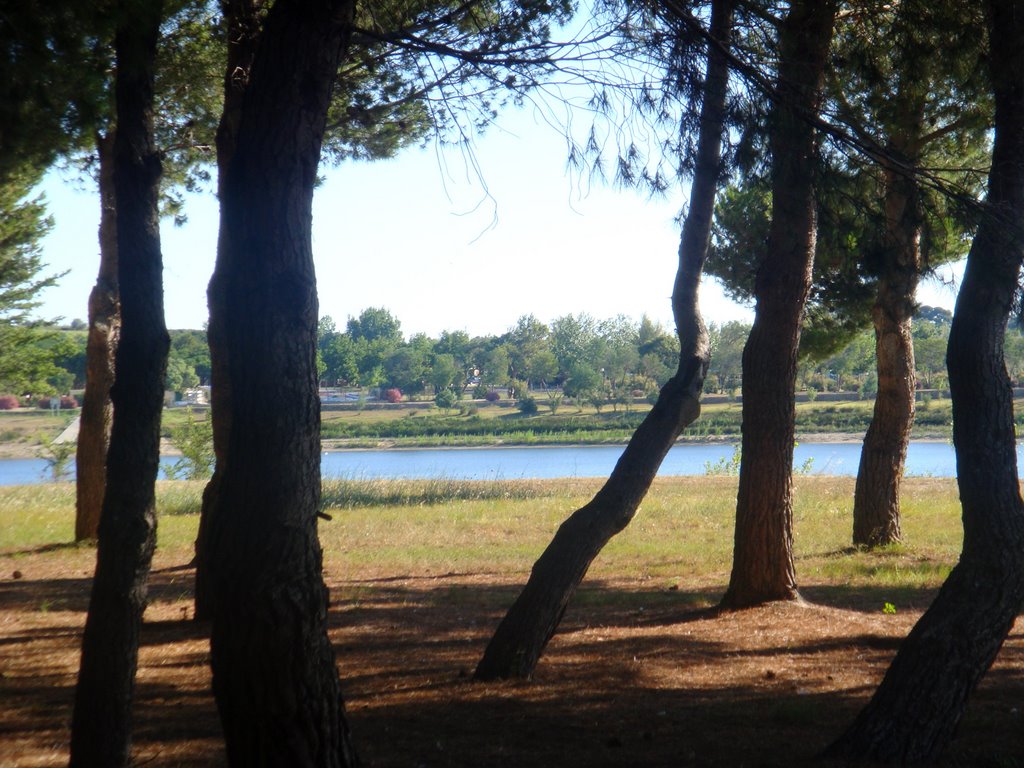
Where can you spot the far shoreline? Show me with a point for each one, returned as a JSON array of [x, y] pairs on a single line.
[[21, 450]]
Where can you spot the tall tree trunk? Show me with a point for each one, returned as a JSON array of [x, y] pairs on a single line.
[[916, 709], [104, 328], [101, 725], [274, 675], [763, 567], [876, 506], [532, 620], [241, 22]]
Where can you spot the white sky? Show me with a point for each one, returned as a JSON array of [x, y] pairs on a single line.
[[415, 235]]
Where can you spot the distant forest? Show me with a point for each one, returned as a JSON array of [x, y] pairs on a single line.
[[585, 356]]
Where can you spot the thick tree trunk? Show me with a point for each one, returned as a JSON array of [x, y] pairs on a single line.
[[104, 328], [915, 711], [533, 619], [876, 506], [763, 567], [240, 19], [274, 675], [101, 725]]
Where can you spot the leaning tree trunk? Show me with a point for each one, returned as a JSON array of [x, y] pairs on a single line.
[[876, 506], [104, 326], [101, 724], [763, 567], [532, 620], [274, 677], [916, 709]]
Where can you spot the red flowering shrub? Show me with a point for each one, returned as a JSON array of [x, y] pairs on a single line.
[[492, 396], [393, 395], [8, 402]]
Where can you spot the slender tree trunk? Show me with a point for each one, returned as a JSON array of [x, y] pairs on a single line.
[[104, 328], [876, 506], [532, 620], [101, 725], [274, 675], [763, 567], [916, 709], [240, 19]]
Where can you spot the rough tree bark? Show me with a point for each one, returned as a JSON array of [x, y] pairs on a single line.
[[274, 677], [520, 639], [763, 567], [104, 328], [876, 506], [101, 724], [916, 709], [242, 28]]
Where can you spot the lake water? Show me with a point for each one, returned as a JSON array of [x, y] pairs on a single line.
[[934, 459]]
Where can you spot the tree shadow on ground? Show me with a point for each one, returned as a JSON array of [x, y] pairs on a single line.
[[637, 676]]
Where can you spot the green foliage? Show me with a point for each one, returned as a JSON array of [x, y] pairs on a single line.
[[726, 466], [27, 350], [406, 59], [375, 324], [581, 381], [180, 375], [529, 351], [192, 349], [444, 373], [406, 369], [446, 399], [527, 405], [194, 441], [54, 80], [190, 94], [58, 456], [496, 367], [727, 341]]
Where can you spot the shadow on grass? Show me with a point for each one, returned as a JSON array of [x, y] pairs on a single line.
[[56, 547]]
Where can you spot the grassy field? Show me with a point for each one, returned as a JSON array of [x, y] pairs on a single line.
[[643, 671], [683, 532]]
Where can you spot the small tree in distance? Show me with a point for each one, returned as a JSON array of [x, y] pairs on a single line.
[[446, 400]]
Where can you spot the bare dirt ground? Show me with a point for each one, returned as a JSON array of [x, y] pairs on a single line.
[[636, 677]]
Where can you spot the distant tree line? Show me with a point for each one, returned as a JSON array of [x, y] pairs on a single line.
[[58, 362], [589, 359]]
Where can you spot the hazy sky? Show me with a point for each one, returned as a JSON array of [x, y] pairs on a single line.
[[442, 243]]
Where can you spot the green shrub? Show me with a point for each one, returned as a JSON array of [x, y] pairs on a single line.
[[446, 399], [527, 405]]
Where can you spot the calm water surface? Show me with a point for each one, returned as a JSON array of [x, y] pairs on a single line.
[[935, 459]]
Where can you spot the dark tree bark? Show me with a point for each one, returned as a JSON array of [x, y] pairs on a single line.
[[104, 328], [242, 28], [101, 725], [763, 567], [533, 619], [916, 709], [876, 506], [274, 677]]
